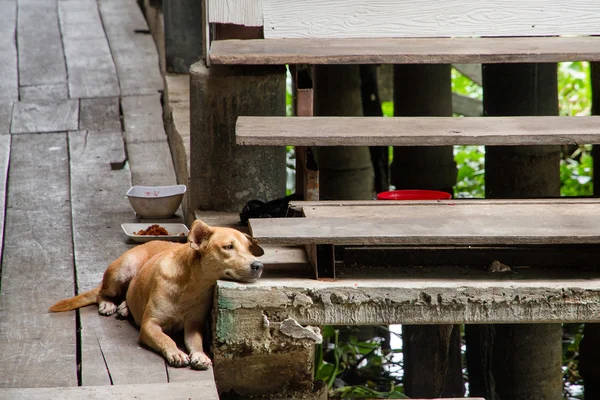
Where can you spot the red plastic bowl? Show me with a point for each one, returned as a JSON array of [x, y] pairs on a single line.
[[413, 195]]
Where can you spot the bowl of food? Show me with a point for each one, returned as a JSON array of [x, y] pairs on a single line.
[[141, 233], [156, 201]]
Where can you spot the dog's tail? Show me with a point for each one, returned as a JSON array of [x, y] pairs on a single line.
[[81, 300]]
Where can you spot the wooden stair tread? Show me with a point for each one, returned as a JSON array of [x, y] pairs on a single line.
[[438, 223], [416, 131], [406, 50]]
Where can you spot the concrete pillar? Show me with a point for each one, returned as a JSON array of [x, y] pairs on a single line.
[[223, 175], [263, 355], [183, 34]]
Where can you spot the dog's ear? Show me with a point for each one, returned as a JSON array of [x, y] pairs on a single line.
[[257, 251], [199, 233]]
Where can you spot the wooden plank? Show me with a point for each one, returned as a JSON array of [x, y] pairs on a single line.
[[132, 47], [471, 71], [151, 163], [143, 119], [92, 72], [485, 224], [302, 205], [45, 92], [99, 207], [59, 115], [100, 115], [412, 18], [5, 116], [466, 106], [9, 75], [158, 391], [37, 267], [41, 57], [405, 50], [416, 131]]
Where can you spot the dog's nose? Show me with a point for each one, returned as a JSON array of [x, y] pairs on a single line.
[[257, 266]]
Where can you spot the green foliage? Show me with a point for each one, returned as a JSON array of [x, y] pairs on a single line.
[[470, 163], [354, 369], [574, 88], [465, 86], [576, 173], [572, 335]]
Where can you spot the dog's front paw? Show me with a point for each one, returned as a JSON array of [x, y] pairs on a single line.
[[178, 359], [122, 310], [199, 360], [107, 308]]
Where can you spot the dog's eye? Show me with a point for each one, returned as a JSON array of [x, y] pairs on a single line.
[[228, 247]]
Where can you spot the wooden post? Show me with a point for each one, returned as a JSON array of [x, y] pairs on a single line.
[[223, 175], [344, 172], [518, 362], [423, 90], [589, 348], [183, 34], [433, 366]]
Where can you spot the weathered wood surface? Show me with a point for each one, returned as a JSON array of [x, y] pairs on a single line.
[[41, 57], [446, 224], [409, 18], [142, 119], [9, 75], [147, 148], [5, 116], [466, 106], [158, 391], [37, 349], [45, 92], [435, 295], [54, 116], [100, 115], [92, 72], [416, 131], [132, 47], [471, 71], [99, 207], [405, 51]]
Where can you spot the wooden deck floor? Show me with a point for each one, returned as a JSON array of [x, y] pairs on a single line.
[[80, 122]]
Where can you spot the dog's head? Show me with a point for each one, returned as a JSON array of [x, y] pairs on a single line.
[[226, 253]]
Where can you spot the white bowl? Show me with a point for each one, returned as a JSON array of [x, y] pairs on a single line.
[[156, 201], [177, 232]]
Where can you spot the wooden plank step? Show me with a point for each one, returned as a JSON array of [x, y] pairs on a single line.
[[416, 131], [446, 223], [189, 390], [406, 50]]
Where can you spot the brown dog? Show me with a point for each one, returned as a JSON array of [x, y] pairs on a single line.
[[168, 287]]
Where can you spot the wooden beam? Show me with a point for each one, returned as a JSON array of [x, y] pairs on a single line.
[[405, 50], [416, 131]]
